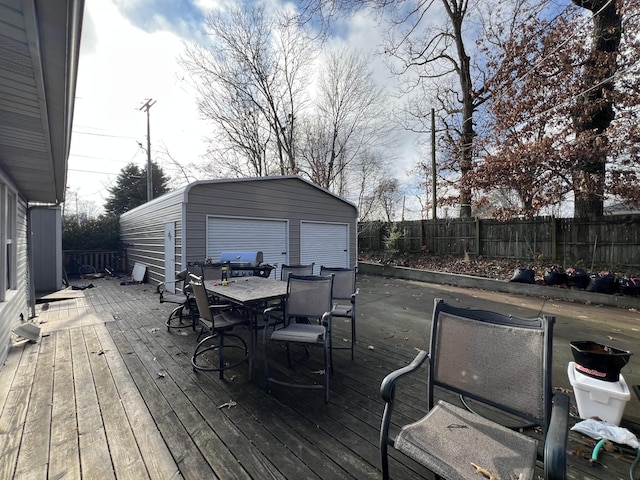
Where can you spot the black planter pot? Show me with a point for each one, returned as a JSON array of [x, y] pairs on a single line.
[[599, 361]]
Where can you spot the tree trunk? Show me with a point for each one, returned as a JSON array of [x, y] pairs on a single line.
[[593, 111]]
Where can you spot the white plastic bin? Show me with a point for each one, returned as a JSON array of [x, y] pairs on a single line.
[[597, 398]]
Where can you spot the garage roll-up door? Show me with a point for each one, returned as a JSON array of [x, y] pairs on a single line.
[[324, 244], [248, 235]]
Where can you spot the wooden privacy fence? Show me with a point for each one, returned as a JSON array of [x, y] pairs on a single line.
[[603, 242]]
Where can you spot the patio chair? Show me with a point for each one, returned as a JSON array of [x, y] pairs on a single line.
[[344, 290], [285, 270], [502, 364], [218, 320], [183, 314], [307, 296]]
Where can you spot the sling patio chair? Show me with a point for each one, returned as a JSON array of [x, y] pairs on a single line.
[[218, 321], [496, 364], [285, 270], [308, 296], [184, 314], [344, 299]]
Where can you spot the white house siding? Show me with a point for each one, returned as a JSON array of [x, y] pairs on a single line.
[[275, 198], [16, 300]]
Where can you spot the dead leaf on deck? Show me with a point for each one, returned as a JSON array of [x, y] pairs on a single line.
[[228, 404], [371, 347], [578, 451], [563, 390], [318, 372], [612, 338], [486, 473], [162, 374]]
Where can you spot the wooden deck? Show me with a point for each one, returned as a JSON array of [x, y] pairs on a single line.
[[108, 392]]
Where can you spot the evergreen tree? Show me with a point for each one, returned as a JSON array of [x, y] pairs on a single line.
[[130, 190]]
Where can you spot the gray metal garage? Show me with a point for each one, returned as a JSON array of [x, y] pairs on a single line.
[[288, 218]]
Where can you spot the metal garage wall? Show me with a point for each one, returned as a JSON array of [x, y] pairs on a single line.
[[324, 244], [270, 236]]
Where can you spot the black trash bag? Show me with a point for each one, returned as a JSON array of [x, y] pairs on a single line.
[[523, 275], [629, 285], [554, 276], [577, 278], [602, 282]]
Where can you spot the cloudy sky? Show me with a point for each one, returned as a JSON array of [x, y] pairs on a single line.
[[129, 54]]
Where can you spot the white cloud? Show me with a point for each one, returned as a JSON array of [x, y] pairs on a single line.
[[120, 67], [125, 60]]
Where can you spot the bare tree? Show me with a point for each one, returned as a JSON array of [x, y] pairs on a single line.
[[251, 83], [350, 119]]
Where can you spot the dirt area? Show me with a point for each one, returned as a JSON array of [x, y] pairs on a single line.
[[499, 269]]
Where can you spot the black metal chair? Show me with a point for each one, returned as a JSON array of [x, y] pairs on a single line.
[[217, 320], [285, 270], [344, 297], [184, 314], [502, 364], [310, 297]]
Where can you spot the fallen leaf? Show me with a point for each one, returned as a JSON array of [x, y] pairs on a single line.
[[318, 372], [371, 347], [228, 404], [162, 374], [485, 472], [563, 390], [612, 338]]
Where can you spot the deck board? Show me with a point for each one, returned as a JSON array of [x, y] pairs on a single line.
[[33, 456], [92, 436], [108, 392], [64, 455]]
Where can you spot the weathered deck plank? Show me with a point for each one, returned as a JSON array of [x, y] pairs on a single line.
[[19, 371], [33, 457], [126, 457], [155, 454], [141, 411], [64, 454], [92, 437]]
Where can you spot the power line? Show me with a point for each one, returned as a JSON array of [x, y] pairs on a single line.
[[104, 135]]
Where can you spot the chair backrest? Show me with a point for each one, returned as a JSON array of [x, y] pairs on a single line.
[[213, 271], [501, 360], [308, 296], [202, 299], [285, 270], [344, 281]]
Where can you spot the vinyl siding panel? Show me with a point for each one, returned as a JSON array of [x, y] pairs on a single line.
[[17, 301], [143, 230]]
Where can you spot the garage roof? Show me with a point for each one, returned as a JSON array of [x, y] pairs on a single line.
[[39, 50]]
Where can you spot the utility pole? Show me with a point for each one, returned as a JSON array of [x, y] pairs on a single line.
[[149, 103], [434, 197]]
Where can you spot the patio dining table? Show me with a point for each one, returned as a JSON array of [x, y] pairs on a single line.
[[252, 293]]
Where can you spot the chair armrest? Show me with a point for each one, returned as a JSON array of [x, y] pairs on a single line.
[[326, 319], [388, 383], [353, 296], [266, 315], [555, 446], [387, 391]]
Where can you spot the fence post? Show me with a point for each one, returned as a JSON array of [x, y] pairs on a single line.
[[478, 248], [554, 239]]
